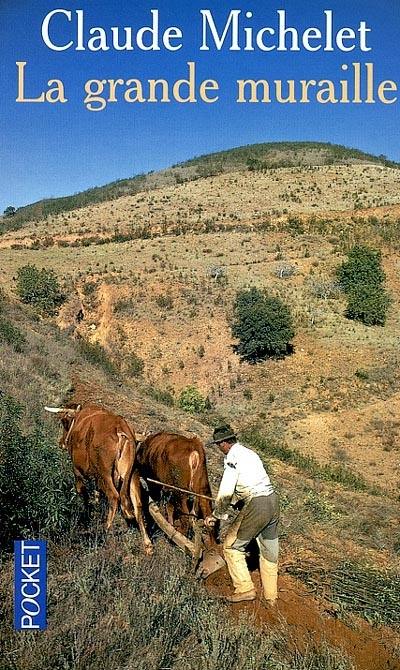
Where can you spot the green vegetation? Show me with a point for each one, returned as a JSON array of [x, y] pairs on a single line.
[[362, 374], [160, 395], [97, 355], [360, 589], [274, 155], [319, 506], [12, 335], [362, 278], [191, 400], [36, 487], [112, 607], [134, 365], [262, 324], [54, 206], [363, 267], [368, 305], [331, 473], [39, 288]]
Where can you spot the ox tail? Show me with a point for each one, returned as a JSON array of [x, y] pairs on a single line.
[[194, 462], [130, 494], [123, 467]]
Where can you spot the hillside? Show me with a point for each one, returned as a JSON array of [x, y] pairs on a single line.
[[256, 156], [322, 522], [140, 267], [150, 279]]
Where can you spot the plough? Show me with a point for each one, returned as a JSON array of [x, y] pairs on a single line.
[[206, 561]]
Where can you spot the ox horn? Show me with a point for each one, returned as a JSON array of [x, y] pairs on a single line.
[[55, 410]]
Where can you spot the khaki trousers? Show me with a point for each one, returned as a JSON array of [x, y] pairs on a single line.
[[250, 524]]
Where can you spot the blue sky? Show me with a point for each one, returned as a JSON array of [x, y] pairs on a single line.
[[52, 150]]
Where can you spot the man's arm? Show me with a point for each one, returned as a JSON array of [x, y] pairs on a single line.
[[226, 490]]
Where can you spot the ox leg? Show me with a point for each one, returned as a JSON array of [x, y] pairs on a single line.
[[185, 518], [125, 501], [135, 491], [170, 509], [112, 496], [82, 490]]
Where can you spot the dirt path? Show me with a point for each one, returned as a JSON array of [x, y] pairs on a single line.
[[311, 623]]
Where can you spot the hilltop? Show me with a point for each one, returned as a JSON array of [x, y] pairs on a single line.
[[256, 156]]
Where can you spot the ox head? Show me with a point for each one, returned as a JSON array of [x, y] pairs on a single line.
[[140, 438], [66, 415]]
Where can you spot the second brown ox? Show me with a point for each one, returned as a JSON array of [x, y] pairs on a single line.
[[102, 446], [181, 462]]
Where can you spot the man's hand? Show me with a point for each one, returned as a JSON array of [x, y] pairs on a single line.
[[210, 521]]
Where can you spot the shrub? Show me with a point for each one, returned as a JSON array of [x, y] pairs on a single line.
[[12, 335], [89, 288], [263, 325], [159, 395], [216, 272], [36, 487], [284, 271], [97, 355], [192, 401], [319, 506], [135, 365], [165, 301], [124, 306], [3, 299], [295, 225], [363, 266], [368, 304], [39, 287], [324, 288]]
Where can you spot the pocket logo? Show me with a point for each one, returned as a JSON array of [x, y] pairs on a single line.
[[30, 584]]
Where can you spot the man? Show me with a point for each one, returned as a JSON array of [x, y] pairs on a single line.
[[245, 480]]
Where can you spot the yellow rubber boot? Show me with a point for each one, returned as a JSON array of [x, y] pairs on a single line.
[[269, 579], [240, 575]]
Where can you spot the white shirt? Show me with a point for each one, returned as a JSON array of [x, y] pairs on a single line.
[[244, 477]]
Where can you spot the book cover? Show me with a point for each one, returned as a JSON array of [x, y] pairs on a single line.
[[199, 315]]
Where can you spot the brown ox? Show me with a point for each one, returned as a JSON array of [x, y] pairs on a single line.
[[179, 461], [102, 447]]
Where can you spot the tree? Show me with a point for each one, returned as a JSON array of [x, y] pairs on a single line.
[[39, 287], [363, 266], [9, 211], [368, 304], [262, 324], [362, 277]]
